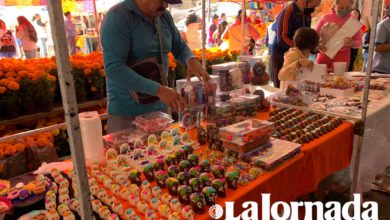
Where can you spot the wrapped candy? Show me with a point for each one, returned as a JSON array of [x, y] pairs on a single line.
[[218, 171], [164, 210], [187, 213], [219, 185], [194, 172], [185, 165], [194, 159], [205, 179], [198, 202], [184, 194], [156, 192], [195, 184], [210, 195], [149, 172], [204, 166], [172, 185], [135, 177], [161, 177], [232, 179], [183, 178], [175, 205], [173, 170]]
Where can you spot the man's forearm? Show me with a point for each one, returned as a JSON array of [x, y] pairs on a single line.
[[383, 48]]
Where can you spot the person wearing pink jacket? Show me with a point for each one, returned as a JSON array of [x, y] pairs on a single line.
[[340, 13]]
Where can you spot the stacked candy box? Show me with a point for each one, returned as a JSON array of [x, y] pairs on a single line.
[[230, 76], [246, 135]]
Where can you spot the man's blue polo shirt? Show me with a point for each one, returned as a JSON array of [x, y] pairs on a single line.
[[127, 35]]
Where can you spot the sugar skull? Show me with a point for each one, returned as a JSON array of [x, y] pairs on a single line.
[[54, 187], [145, 194], [117, 208], [161, 177], [184, 165], [124, 193], [205, 179], [175, 205], [102, 194], [64, 198], [183, 178], [135, 177], [110, 200], [134, 200], [50, 204], [155, 203], [166, 198], [149, 172], [62, 208], [194, 172], [204, 166], [198, 202], [115, 189], [104, 212], [150, 215], [172, 184], [210, 195], [122, 179], [156, 192], [187, 213], [96, 204], [184, 194], [107, 183], [130, 214], [124, 149], [164, 210], [142, 206], [145, 185], [74, 205], [134, 189], [53, 215], [94, 189]]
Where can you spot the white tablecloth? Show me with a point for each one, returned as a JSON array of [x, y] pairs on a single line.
[[375, 155]]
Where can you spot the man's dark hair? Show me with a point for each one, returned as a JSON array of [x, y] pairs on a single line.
[[215, 16], [223, 14], [191, 18], [67, 13], [306, 39]]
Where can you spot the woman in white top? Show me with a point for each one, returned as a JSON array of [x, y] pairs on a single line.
[[193, 35], [41, 28], [28, 36]]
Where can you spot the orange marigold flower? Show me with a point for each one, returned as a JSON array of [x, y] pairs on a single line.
[[2, 90], [87, 71], [14, 86], [51, 78], [93, 89]]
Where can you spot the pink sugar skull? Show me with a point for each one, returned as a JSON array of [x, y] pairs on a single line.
[[50, 204], [145, 195], [134, 199], [188, 213]]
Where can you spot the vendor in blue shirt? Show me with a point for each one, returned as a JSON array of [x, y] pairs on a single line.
[[129, 34]]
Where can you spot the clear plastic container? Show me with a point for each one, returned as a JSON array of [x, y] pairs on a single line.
[[246, 131], [115, 140], [230, 76], [153, 122]]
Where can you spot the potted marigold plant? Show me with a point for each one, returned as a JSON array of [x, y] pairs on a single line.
[[9, 99]]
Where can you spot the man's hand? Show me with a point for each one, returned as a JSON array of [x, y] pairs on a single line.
[[305, 63], [348, 42], [171, 98], [195, 68]]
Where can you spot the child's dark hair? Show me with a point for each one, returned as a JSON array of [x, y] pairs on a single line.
[[306, 39]]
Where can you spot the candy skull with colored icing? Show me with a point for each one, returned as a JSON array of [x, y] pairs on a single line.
[[210, 195], [187, 213], [74, 205], [102, 194], [166, 198], [156, 192], [53, 215], [142, 206], [135, 177], [117, 207], [155, 203], [50, 204], [110, 200], [64, 198], [130, 214], [184, 192], [145, 194], [50, 195], [164, 210], [96, 204], [145, 185], [68, 215], [150, 215], [172, 185], [133, 200], [149, 172], [107, 183], [94, 189], [123, 180], [175, 205], [54, 187], [92, 181], [198, 202], [174, 216], [124, 193], [104, 212], [64, 183], [115, 189], [63, 190], [113, 216], [134, 189], [62, 208]]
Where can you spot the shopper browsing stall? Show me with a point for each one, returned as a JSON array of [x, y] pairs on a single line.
[[305, 41], [130, 35], [381, 59], [27, 35], [8, 44]]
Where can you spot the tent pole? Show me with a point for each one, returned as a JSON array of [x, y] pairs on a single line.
[[204, 34], [243, 21], [70, 107], [97, 24], [365, 98]]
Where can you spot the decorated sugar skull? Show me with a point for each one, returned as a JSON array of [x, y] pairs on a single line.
[[74, 205], [166, 198], [232, 178], [101, 177], [152, 139], [74, 186], [50, 195], [54, 187], [53, 215], [184, 192], [187, 213], [170, 160], [198, 202], [219, 186], [64, 198], [134, 199], [194, 172], [205, 179], [204, 166], [121, 160], [68, 215], [117, 208], [130, 214], [110, 200], [145, 185], [104, 212], [142, 206], [149, 172], [102, 194], [111, 154], [164, 210], [62, 208], [218, 171], [113, 216], [96, 204], [124, 149], [165, 135], [135, 177], [161, 176], [94, 189], [185, 138], [175, 205], [184, 165], [134, 189], [155, 203], [50, 204], [54, 172], [71, 174], [172, 184], [115, 189], [107, 183], [194, 159], [174, 216], [176, 140], [163, 144], [122, 179], [174, 132], [92, 181], [138, 143], [195, 184], [145, 194], [124, 193], [210, 195], [173, 170], [150, 215], [156, 192]]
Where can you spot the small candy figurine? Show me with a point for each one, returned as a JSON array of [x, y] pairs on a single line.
[[232, 179], [188, 213], [175, 205], [198, 202], [210, 195], [166, 135], [172, 185], [164, 210], [148, 172], [185, 165], [124, 149], [176, 140], [138, 143], [184, 194], [161, 177], [152, 139], [194, 159], [219, 185], [145, 185], [156, 192], [194, 172], [183, 178], [135, 177], [195, 184], [205, 179], [166, 198], [218, 171], [204, 166], [158, 165], [155, 203], [173, 170]]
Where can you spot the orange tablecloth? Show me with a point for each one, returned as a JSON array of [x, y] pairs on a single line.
[[299, 175]]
